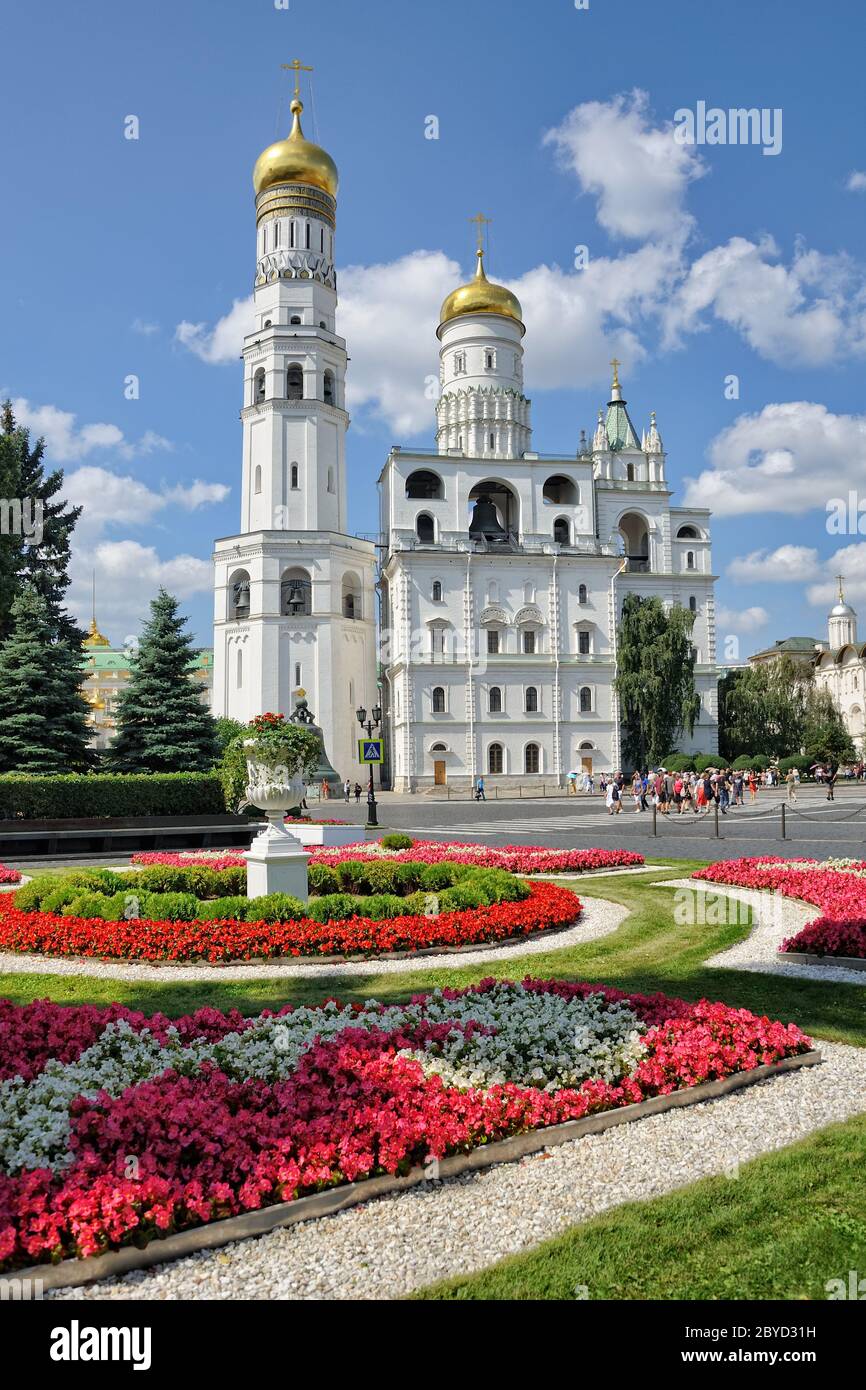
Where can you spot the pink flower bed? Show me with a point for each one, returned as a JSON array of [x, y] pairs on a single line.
[[841, 897], [9, 875], [518, 859], [259, 1111]]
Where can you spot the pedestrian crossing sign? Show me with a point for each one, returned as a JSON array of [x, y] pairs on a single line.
[[369, 750]]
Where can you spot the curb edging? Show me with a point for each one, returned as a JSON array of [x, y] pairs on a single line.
[[810, 958]]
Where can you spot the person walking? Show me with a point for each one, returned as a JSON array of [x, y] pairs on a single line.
[[347, 790], [571, 781], [753, 786], [637, 792], [480, 794], [358, 790], [832, 774], [724, 789], [791, 783], [613, 798], [326, 791]]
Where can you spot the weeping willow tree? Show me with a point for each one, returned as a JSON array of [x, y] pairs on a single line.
[[655, 682]]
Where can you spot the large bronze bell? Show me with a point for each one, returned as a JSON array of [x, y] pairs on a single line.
[[485, 520], [323, 769]]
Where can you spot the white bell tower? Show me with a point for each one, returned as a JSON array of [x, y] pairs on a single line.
[[294, 593]]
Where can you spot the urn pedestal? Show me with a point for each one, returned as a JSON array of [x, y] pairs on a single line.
[[276, 860]]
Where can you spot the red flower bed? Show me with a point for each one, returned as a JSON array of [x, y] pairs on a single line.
[[839, 931], [517, 859], [209, 1146], [827, 937], [9, 875], [547, 906]]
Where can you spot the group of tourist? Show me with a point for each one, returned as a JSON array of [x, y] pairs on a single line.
[[678, 793]]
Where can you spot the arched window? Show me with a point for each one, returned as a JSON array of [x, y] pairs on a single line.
[[688, 533], [581, 593], [531, 699], [296, 593], [259, 385], [529, 641], [322, 239], [585, 699], [489, 361], [257, 479], [298, 681], [425, 529], [561, 491], [291, 235], [296, 318], [693, 604], [493, 591], [494, 758], [495, 700], [240, 667], [438, 699], [239, 596], [308, 236], [294, 475], [561, 531], [437, 591], [276, 235], [331, 487], [491, 443], [351, 596], [328, 388], [424, 484], [531, 758], [295, 382], [690, 560]]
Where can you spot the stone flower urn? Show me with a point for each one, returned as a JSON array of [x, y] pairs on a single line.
[[276, 860]]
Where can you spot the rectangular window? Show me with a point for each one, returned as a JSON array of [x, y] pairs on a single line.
[[437, 641], [583, 643], [529, 642], [492, 641]]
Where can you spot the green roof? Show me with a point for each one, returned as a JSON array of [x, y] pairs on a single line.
[[620, 430], [117, 659]]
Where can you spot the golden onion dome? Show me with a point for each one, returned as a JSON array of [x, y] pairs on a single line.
[[94, 637], [481, 296], [296, 160]]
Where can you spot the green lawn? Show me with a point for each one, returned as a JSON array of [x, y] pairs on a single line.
[[789, 1223]]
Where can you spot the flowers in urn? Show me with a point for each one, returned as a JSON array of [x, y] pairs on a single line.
[[278, 753]]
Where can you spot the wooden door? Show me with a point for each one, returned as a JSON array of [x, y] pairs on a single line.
[[439, 778], [586, 764]]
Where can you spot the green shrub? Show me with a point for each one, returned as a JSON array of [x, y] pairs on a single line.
[[802, 763], [704, 760], [332, 907], [322, 879], [680, 762], [273, 907], [352, 876], [760, 762], [397, 841], [435, 877], [461, 898], [215, 909], [30, 896], [743, 763], [99, 794], [110, 907], [60, 897], [168, 907], [380, 906]]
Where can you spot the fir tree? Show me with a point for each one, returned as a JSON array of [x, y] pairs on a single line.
[[43, 715], [162, 726], [655, 683], [43, 564]]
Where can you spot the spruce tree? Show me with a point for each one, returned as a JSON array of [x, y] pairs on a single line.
[[162, 726], [43, 715], [44, 565]]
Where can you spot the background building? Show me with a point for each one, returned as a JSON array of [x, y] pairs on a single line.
[[107, 672], [841, 669]]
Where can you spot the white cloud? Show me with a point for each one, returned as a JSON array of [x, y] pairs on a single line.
[[67, 442], [142, 326], [127, 577], [803, 314], [742, 620], [856, 182], [788, 564], [849, 561], [224, 341], [792, 457], [112, 499], [637, 172]]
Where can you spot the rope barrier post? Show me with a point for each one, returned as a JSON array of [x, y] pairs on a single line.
[[716, 817], [783, 820], [655, 813]]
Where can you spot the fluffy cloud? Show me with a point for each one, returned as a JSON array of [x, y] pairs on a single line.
[[741, 620], [112, 499], [638, 173], [792, 457], [127, 577], [803, 314], [786, 564], [224, 341], [849, 561], [67, 442], [856, 182]]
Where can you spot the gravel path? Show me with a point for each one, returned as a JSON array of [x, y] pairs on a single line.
[[774, 918], [396, 1244], [597, 919]]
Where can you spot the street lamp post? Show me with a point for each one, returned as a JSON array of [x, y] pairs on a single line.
[[370, 725]]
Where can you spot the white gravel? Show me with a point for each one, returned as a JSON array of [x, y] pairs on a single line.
[[597, 919], [774, 918], [395, 1244]]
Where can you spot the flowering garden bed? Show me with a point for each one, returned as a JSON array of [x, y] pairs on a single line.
[[836, 886], [9, 875], [357, 908], [116, 1129], [517, 859]]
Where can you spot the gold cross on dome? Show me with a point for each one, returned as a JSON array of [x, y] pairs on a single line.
[[297, 67], [616, 364], [839, 579], [481, 221]]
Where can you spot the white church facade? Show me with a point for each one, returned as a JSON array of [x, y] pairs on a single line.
[[842, 670], [501, 571]]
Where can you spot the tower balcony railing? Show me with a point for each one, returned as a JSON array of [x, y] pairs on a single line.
[[582, 545]]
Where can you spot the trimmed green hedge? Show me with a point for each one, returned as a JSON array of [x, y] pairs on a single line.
[[110, 794]]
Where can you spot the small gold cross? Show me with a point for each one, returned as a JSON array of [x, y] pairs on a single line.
[[481, 222], [298, 67]]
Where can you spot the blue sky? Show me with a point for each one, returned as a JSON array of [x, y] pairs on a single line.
[[122, 257]]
